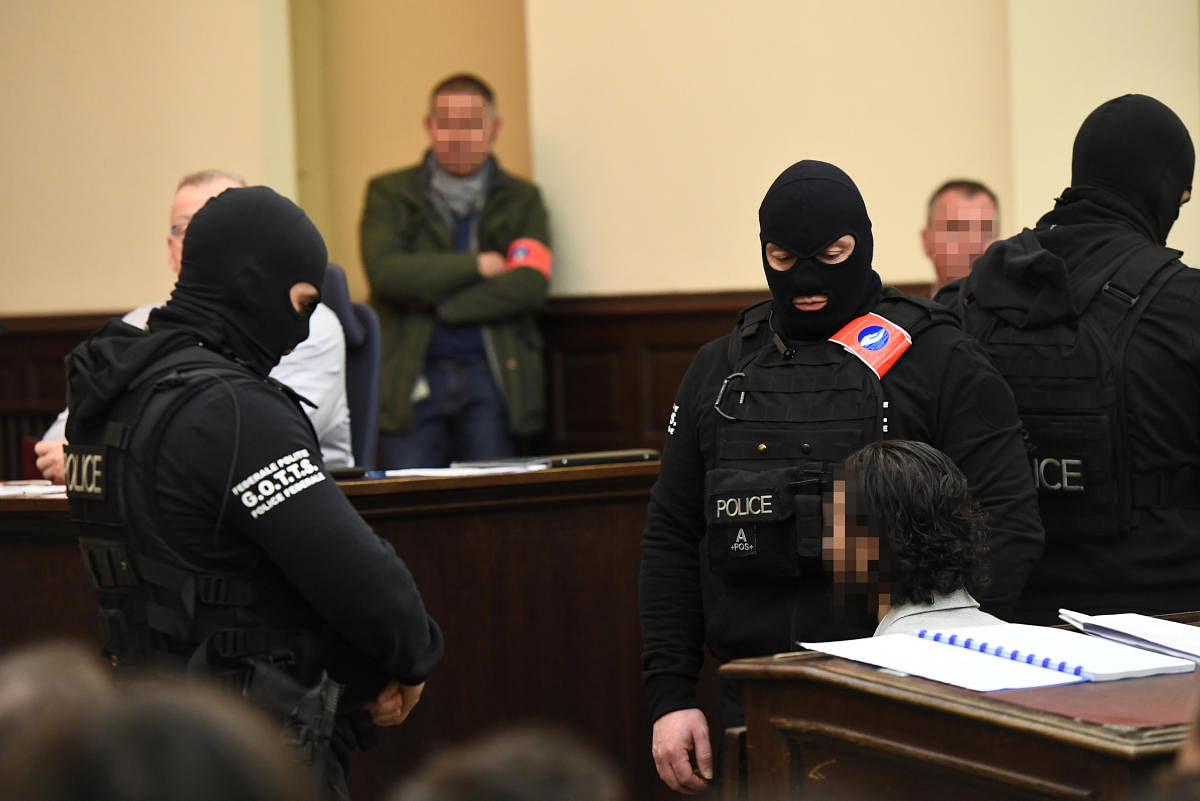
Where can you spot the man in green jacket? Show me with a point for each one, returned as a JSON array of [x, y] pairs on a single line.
[[457, 255]]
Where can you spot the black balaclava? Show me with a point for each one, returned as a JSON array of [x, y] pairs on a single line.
[[1137, 148], [809, 207], [242, 253]]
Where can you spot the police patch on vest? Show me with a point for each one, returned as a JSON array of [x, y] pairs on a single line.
[[876, 341], [1059, 474], [743, 540], [85, 471], [743, 506]]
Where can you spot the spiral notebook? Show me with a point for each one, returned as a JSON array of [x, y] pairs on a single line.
[[1005, 657]]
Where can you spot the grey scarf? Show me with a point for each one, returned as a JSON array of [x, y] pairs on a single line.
[[455, 197]]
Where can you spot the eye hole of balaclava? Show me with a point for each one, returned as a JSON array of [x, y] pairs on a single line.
[[810, 207]]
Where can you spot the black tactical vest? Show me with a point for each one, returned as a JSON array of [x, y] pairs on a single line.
[[157, 611], [788, 413], [161, 612], [1068, 379]]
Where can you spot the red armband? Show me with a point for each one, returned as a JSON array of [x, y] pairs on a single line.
[[877, 341], [526, 252]]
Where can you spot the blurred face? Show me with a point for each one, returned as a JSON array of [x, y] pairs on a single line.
[[850, 552], [189, 200], [462, 127], [959, 231]]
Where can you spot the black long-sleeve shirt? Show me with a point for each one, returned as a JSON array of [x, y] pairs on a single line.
[[244, 452], [235, 486]]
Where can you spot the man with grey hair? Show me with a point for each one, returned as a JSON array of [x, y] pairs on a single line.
[[316, 369]]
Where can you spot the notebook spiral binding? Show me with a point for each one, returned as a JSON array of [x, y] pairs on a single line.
[[984, 647]]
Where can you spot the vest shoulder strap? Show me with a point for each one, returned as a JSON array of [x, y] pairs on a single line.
[[913, 313], [1124, 297], [752, 324]]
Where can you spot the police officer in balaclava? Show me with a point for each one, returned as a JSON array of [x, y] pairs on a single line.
[[1092, 320], [816, 251], [248, 255], [218, 544], [732, 550]]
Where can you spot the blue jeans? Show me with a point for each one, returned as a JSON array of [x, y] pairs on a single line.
[[463, 418]]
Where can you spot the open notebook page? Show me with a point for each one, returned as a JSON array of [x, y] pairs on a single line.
[[949, 664]]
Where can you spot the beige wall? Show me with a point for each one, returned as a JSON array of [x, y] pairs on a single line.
[[654, 128], [658, 127], [364, 71], [1109, 49], [105, 106]]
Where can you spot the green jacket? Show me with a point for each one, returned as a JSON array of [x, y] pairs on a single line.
[[415, 274]]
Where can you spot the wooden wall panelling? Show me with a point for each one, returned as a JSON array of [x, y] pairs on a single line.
[[613, 364], [33, 378]]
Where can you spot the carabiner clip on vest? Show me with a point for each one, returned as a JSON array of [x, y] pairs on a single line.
[[721, 395]]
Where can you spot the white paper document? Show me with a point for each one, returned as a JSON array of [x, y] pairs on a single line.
[[455, 472], [1005, 657], [1141, 631], [32, 488]]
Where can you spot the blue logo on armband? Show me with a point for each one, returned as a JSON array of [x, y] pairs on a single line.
[[873, 337]]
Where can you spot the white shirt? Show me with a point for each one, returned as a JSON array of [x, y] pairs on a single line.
[[956, 610], [316, 369]]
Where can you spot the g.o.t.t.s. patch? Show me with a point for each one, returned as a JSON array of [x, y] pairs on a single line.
[[277, 482]]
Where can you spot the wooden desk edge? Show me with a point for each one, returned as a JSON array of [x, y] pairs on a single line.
[[553, 475], [409, 496], [914, 690]]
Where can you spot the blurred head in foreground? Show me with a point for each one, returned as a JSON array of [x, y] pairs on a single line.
[[522, 764], [150, 742]]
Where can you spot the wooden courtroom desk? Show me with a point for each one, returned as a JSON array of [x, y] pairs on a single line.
[[532, 577], [826, 728]]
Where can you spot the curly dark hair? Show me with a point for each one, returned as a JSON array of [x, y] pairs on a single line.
[[933, 536]]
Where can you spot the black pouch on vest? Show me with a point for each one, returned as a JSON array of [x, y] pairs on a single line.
[[307, 713], [764, 524]]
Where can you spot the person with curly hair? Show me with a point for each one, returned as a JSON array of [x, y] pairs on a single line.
[[906, 532]]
